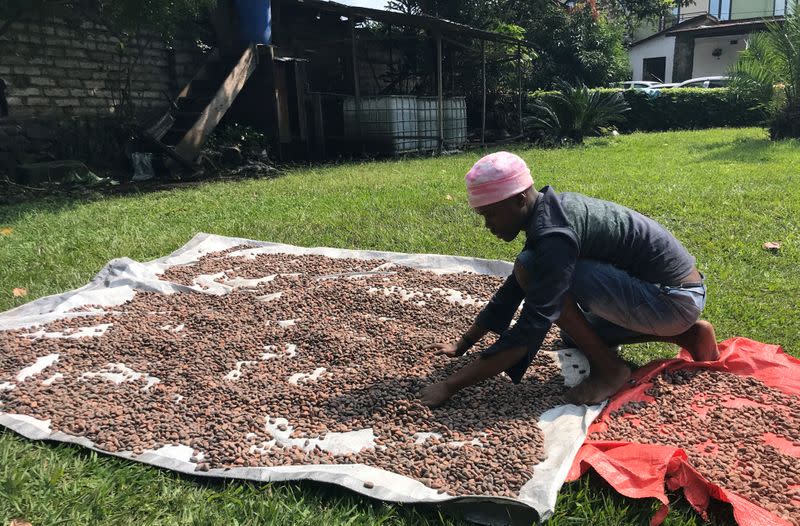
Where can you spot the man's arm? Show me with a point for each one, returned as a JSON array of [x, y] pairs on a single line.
[[495, 317], [552, 265], [473, 335], [476, 371]]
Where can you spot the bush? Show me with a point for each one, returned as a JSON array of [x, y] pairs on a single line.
[[575, 112], [679, 109]]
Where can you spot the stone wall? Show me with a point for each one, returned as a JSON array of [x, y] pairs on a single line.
[[62, 69], [57, 72]]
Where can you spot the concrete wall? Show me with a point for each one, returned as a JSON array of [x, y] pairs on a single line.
[[657, 47], [705, 64]]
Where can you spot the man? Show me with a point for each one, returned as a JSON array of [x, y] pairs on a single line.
[[603, 273]]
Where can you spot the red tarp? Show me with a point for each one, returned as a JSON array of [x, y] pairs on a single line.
[[645, 470]]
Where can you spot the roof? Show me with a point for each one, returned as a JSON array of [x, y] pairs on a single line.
[[431, 23], [727, 27], [688, 23]]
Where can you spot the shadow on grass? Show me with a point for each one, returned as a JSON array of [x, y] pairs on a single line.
[[745, 150], [592, 500], [16, 199]]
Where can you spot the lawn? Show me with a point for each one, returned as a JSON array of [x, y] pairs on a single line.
[[722, 192]]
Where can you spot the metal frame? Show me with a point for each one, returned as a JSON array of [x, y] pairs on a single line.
[[439, 30]]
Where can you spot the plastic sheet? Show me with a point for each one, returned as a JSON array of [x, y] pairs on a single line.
[[647, 470], [564, 427]]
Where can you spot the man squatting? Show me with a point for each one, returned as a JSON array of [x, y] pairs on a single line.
[[605, 274]]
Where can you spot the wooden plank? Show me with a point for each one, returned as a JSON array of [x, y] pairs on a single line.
[[189, 147], [356, 86], [319, 125], [282, 103], [202, 73], [300, 89], [163, 148]]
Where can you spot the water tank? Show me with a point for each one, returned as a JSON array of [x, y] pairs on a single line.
[[255, 21], [388, 122], [455, 122], [427, 123]]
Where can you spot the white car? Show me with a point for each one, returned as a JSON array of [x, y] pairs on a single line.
[[636, 84], [705, 82], [656, 88]]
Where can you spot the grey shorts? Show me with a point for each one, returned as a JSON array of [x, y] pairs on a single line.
[[622, 308]]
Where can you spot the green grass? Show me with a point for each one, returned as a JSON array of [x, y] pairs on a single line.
[[722, 192]]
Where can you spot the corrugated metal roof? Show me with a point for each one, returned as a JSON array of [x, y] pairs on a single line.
[[429, 22]]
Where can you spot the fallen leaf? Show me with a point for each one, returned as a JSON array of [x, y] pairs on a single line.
[[771, 245], [6, 231], [19, 292], [18, 522]]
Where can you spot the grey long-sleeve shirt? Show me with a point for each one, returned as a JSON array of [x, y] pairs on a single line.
[[562, 229]]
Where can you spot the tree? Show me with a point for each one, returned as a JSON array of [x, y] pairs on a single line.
[[576, 44], [769, 70], [573, 41]]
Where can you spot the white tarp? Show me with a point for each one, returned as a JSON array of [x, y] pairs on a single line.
[[564, 427]]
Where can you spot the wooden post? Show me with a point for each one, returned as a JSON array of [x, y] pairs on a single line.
[[356, 87], [319, 126], [483, 107], [519, 80], [440, 101]]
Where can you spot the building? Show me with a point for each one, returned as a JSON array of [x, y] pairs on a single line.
[[699, 40]]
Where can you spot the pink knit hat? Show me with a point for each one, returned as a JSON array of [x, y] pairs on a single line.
[[495, 177]]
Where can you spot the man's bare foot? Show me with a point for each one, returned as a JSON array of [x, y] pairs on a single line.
[[599, 386], [701, 342]]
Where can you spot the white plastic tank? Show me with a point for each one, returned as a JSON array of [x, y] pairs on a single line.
[[455, 122], [427, 123], [388, 122]]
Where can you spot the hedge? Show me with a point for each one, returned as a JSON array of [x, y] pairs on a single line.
[[681, 108]]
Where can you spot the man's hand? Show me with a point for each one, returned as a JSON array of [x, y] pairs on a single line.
[[435, 394], [448, 349]]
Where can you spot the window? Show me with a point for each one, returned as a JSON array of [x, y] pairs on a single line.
[[780, 8], [720, 9], [654, 69]]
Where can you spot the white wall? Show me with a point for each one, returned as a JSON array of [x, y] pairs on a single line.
[[657, 47], [706, 65]]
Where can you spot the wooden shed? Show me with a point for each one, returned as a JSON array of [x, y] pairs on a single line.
[[324, 66]]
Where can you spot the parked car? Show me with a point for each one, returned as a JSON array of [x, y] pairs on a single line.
[[635, 84], [705, 82], [665, 85], [655, 89]]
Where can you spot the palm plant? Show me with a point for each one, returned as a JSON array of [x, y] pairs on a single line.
[[575, 112], [769, 70]]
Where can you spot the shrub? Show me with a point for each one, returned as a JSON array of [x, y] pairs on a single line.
[[679, 109], [575, 112]]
